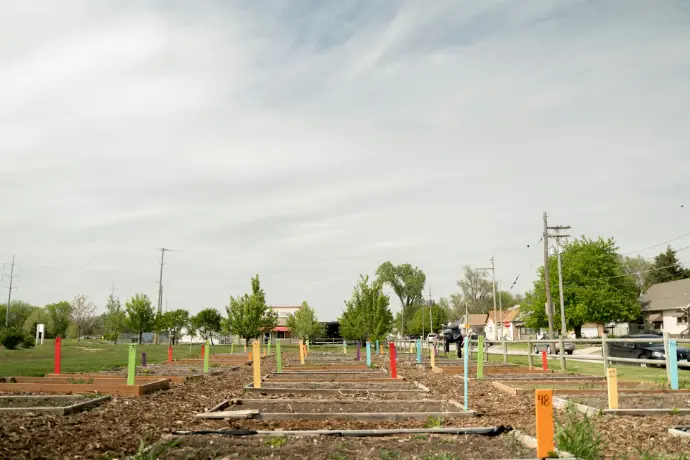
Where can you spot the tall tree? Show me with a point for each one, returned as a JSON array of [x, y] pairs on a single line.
[[638, 269], [477, 290], [82, 314], [141, 315], [248, 315], [39, 316], [304, 324], [421, 324], [366, 314], [174, 322], [19, 312], [595, 288], [406, 281], [115, 318], [60, 312], [667, 267], [207, 323]]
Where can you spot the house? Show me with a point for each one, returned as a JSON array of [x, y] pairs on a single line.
[[509, 329], [665, 307], [476, 322], [281, 331]]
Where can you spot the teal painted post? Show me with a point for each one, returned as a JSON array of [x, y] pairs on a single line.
[[279, 358], [419, 351], [480, 357], [467, 371], [207, 352], [132, 367], [673, 362], [377, 347], [368, 353]]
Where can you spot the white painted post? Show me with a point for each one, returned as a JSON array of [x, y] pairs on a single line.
[[530, 358], [667, 357], [561, 350], [605, 354]]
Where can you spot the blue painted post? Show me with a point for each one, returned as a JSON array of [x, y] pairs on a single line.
[[419, 351], [368, 353], [466, 358], [673, 362], [359, 345]]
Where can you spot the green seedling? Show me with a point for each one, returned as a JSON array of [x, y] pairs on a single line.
[[433, 422], [276, 441], [578, 436]]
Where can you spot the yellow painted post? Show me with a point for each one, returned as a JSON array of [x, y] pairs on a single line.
[[301, 351], [433, 357], [612, 386], [544, 404], [412, 347], [256, 362]]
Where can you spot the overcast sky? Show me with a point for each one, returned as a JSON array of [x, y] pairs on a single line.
[[309, 141]]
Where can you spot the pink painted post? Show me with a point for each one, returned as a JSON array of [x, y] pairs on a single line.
[[544, 361], [394, 364], [58, 355]]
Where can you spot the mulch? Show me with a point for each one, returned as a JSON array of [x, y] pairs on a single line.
[[117, 428]]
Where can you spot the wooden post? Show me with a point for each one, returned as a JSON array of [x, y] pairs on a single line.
[[170, 354], [411, 346], [301, 352], [232, 348], [432, 357], [368, 353], [206, 352], [143, 359], [667, 354], [505, 351], [544, 405], [279, 358], [605, 353], [203, 350], [466, 357], [530, 358], [344, 347], [256, 362], [544, 361], [359, 346], [480, 357], [132, 364], [673, 362], [268, 349], [308, 347], [377, 347], [612, 387], [394, 363], [561, 351], [58, 355], [419, 351]]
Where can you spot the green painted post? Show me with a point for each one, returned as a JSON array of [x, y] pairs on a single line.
[[268, 351], [480, 357], [232, 348], [207, 352], [279, 359], [132, 367]]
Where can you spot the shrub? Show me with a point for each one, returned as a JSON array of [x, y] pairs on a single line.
[[578, 436], [11, 337], [28, 341]]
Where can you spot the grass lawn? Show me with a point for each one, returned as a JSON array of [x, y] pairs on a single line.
[[93, 356]]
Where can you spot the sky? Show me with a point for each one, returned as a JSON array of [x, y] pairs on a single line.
[[309, 141]]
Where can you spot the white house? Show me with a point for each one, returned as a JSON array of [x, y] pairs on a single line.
[[665, 307], [281, 331]]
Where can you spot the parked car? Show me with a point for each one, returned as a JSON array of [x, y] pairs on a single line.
[[539, 347], [431, 338], [646, 350]]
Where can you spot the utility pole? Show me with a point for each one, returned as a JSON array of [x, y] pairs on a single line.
[[9, 291], [558, 237], [547, 280], [160, 290], [500, 308], [493, 285]]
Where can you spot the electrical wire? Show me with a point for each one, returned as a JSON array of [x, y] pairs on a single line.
[[657, 245]]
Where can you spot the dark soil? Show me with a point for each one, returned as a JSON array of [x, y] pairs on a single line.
[[423, 447], [47, 401], [310, 385], [638, 401], [312, 406]]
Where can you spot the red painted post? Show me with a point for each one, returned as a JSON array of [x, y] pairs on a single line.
[[169, 354], [544, 361], [202, 351], [58, 354], [394, 364]]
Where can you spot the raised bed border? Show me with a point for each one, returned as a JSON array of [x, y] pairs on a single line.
[[682, 431], [61, 410], [536, 377], [77, 388], [96, 376], [272, 378], [366, 416], [623, 387], [250, 388], [562, 403]]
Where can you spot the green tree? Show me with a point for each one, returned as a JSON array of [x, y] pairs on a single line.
[[366, 314], [141, 315], [207, 323], [19, 312], [114, 319], [408, 284], [477, 290], [420, 323], [174, 322], [249, 315], [60, 312], [667, 267], [304, 324], [39, 316], [595, 288]]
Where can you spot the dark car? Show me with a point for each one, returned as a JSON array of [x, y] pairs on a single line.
[[647, 350]]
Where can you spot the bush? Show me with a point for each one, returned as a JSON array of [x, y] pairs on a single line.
[[11, 337], [578, 436], [28, 341]]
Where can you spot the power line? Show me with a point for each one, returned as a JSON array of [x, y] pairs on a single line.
[[657, 245], [9, 290]]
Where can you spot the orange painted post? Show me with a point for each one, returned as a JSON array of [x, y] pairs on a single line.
[[257, 364], [203, 349], [394, 364], [544, 404], [58, 355], [169, 354], [301, 351], [544, 361]]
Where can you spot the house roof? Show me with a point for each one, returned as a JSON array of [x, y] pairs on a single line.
[[477, 319], [508, 315], [667, 296]]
